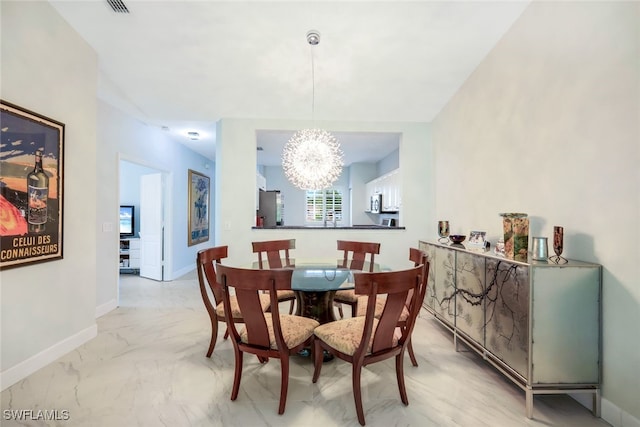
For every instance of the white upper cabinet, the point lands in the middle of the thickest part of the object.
(389, 185)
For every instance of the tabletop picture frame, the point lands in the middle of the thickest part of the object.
(31, 187)
(198, 223)
(477, 240)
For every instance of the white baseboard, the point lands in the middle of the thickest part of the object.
(181, 272)
(616, 416)
(42, 359)
(608, 411)
(108, 306)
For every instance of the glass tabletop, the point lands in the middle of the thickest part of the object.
(319, 278)
(323, 275)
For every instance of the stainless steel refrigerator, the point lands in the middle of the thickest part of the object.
(271, 208)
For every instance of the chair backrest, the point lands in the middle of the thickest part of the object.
(273, 250)
(396, 285)
(419, 257)
(246, 285)
(207, 273)
(355, 254)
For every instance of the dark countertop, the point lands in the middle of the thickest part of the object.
(303, 227)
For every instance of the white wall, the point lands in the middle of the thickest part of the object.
(121, 137)
(48, 309)
(548, 125)
(47, 68)
(389, 163)
(236, 183)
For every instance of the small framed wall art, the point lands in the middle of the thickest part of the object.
(199, 187)
(31, 187)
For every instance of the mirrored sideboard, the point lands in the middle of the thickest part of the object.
(537, 322)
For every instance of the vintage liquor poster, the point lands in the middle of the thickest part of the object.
(31, 187)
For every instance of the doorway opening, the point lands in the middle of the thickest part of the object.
(143, 251)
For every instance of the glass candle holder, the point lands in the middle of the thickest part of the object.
(443, 231)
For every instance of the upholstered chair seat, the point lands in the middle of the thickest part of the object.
(295, 330)
(363, 302)
(286, 295)
(345, 335)
(235, 309)
(346, 295)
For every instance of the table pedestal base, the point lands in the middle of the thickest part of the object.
(317, 305)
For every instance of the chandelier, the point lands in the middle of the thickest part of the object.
(312, 158)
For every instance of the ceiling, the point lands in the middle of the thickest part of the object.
(184, 64)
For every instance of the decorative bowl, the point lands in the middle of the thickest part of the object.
(457, 238)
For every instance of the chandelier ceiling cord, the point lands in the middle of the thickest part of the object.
(312, 158)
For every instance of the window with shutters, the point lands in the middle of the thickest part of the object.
(324, 204)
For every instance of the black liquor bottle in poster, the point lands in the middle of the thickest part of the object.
(37, 196)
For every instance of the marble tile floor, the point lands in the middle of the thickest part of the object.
(147, 367)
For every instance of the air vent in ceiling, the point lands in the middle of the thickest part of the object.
(118, 6)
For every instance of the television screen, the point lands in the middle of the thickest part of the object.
(127, 220)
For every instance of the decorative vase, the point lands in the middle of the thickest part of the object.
(540, 250)
(558, 245)
(515, 227)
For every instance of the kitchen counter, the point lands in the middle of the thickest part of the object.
(328, 227)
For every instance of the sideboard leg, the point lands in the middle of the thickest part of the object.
(597, 399)
(529, 402)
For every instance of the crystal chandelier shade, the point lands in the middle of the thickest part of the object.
(312, 159)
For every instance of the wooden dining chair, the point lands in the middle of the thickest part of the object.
(419, 258)
(277, 256)
(267, 335)
(365, 340)
(207, 260)
(354, 257)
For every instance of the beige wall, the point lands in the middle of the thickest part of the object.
(51, 306)
(548, 124)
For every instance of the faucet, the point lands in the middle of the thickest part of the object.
(333, 219)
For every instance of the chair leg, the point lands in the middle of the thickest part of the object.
(354, 309)
(214, 336)
(291, 307)
(400, 376)
(357, 392)
(237, 376)
(317, 360)
(412, 356)
(340, 311)
(226, 334)
(284, 383)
